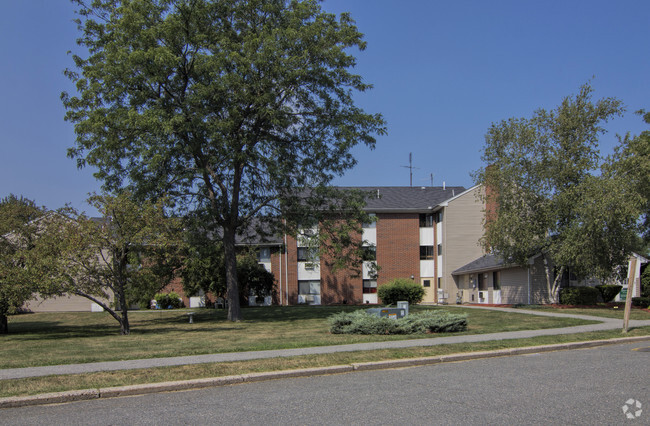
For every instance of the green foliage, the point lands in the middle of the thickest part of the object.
(25, 263)
(548, 195)
(643, 302)
(585, 296)
(169, 300)
(205, 270)
(360, 322)
(632, 162)
(253, 278)
(401, 289)
(609, 291)
(131, 253)
(236, 107)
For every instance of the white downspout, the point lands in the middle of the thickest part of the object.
(286, 267)
(528, 274)
(280, 261)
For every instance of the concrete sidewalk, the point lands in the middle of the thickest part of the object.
(603, 324)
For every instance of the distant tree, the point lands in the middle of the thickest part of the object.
(130, 254)
(245, 108)
(24, 266)
(552, 195)
(255, 280)
(204, 269)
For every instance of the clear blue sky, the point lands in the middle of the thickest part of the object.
(443, 71)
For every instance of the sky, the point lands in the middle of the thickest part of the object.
(442, 71)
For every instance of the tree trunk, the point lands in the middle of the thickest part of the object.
(125, 330)
(4, 325)
(121, 284)
(234, 310)
(552, 283)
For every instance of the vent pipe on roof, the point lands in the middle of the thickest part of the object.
(453, 192)
(377, 193)
(444, 186)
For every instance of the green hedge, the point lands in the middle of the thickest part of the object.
(609, 291)
(360, 322)
(401, 289)
(579, 296)
(643, 302)
(165, 300)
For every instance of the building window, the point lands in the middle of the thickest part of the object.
(426, 252)
(369, 254)
(439, 282)
(426, 283)
(496, 280)
(426, 220)
(307, 254)
(309, 288)
(482, 282)
(369, 286)
(264, 254)
(439, 249)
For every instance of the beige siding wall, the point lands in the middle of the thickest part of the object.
(462, 227)
(65, 303)
(538, 289)
(514, 285)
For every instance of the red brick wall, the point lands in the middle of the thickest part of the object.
(292, 272)
(342, 285)
(398, 246)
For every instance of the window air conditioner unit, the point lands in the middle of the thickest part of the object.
(309, 299)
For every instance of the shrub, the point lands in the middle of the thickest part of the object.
(609, 291)
(643, 302)
(401, 289)
(579, 296)
(165, 300)
(360, 322)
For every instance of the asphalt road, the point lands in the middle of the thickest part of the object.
(587, 386)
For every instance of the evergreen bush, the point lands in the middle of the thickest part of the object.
(401, 289)
(579, 296)
(360, 322)
(167, 300)
(609, 291)
(643, 302)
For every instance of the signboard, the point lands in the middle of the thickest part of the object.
(623, 294)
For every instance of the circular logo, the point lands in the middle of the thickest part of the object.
(632, 409)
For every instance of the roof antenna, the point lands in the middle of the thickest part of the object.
(410, 167)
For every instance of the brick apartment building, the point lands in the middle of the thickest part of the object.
(420, 233)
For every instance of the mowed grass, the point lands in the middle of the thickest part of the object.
(38, 385)
(605, 311)
(69, 338)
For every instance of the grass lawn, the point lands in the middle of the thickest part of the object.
(68, 338)
(37, 385)
(605, 312)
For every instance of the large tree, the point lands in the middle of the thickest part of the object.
(236, 106)
(548, 193)
(127, 255)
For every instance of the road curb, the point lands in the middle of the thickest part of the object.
(142, 389)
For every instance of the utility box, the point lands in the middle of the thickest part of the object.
(388, 312)
(403, 305)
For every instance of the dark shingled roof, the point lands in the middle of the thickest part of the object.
(488, 262)
(406, 198)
